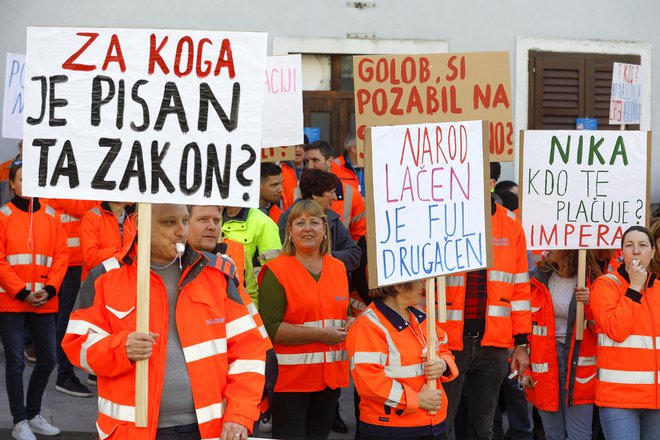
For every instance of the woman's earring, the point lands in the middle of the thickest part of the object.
(325, 236)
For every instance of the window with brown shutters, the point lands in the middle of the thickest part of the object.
(566, 86)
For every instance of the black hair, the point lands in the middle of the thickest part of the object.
(509, 199)
(315, 182)
(505, 185)
(270, 169)
(325, 148)
(641, 229)
(495, 171)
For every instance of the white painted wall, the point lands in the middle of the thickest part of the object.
(466, 25)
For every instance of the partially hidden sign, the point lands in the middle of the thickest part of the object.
(626, 94)
(414, 89)
(431, 200)
(144, 115)
(14, 97)
(283, 102)
(583, 189)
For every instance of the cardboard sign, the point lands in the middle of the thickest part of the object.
(144, 115)
(583, 189)
(626, 95)
(283, 102)
(14, 94)
(413, 89)
(431, 199)
(277, 154)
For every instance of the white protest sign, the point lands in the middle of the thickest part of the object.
(583, 189)
(626, 95)
(12, 109)
(283, 103)
(430, 213)
(144, 115)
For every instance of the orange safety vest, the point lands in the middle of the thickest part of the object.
(33, 255)
(100, 237)
(223, 349)
(351, 211)
(581, 371)
(387, 368)
(314, 366)
(289, 185)
(628, 325)
(70, 213)
(508, 304)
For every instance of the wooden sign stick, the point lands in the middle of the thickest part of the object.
(430, 326)
(144, 270)
(442, 299)
(581, 282)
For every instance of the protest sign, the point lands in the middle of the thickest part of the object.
(144, 115)
(283, 103)
(626, 94)
(275, 154)
(413, 89)
(431, 198)
(12, 110)
(583, 189)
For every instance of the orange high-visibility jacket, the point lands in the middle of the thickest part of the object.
(223, 349)
(314, 366)
(100, 238)
(628, 324)
(508, 304)
(274, 212)
(33, 255)
(346, 175)
(70, 213)
(289, 184)
(581, 371)
(387, 367)
(350, 207)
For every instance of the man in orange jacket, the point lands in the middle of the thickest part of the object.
(204, 350)
(270, 190)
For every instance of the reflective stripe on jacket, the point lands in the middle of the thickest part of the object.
(387, 368)
(314, 366)
(222, 347)
(70, 213)
(351, 210)
(33, 255)
(508, 304)
(628, 325)
(581, 365)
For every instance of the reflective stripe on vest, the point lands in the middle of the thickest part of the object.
(632, 341)
(521, 306)
(50, 211)
(205, 349)
(586, 361)
(239, 326)
(627, 377)
(348, 202)
(116, 411)
(336, 356)
(301, 358)
(507, 277)
(240, 366)
(34, 287)
(80, 327)
(539, 330)
(73, 242)
(6, 210)
(92, 338)
(455, 281)
(613, 278)
(66, 218)
(368, 357)
(394, 397)
(454, 315)
(25, 259)
(358, 217)
(253, 311)
(211, 412)
(408, 371)
(499, 311)
(324, 323)
(110, 264)
(539, 368)
(535, 309)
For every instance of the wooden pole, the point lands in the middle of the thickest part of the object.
(581, 282)
(442, 299)
(430, 326)
(144, 269)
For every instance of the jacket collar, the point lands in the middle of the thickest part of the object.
(240, 217)
(130, 209)
(395, 319)
(624, 274)
(24, 204)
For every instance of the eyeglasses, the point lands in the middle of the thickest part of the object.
(313, 223)
(17, 162)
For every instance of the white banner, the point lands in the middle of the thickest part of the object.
(583, 189)
(144, 115)
(430, 200)
(14, 94)
(626, 95)
(283, 103)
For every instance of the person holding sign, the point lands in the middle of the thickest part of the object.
(387, 347)
(562, 382)
(206, 355)
(627, 311)
(304, 306)
(33, 262)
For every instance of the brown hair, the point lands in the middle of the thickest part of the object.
(313, 209)
(654, 267)
(390, 291)
(593, 268)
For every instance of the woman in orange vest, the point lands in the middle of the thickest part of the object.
(303, 299)
(563, 369)
(33, 261)
(626, 305)
(387, 346)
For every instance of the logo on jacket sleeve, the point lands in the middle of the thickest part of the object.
(500, 241)
(215, 321)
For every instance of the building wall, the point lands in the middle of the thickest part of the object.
(459, 25)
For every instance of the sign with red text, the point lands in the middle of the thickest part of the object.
(276, 154)
(583, 189)
(12, 110)
(430, 214)
(626, 95)
(413, 89)
(283, 102)
(144, 115)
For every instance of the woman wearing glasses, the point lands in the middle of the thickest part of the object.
(303, 298)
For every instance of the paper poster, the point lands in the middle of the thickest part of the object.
(14, 97)
(626, 95)
(283, 102)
